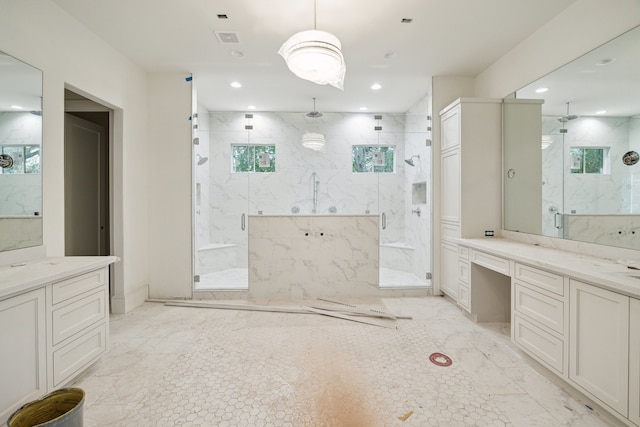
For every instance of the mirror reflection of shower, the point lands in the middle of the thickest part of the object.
(564, 119)
(410, 162)
(201, 160)
(315, 193)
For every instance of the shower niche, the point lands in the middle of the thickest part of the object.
(419, 193)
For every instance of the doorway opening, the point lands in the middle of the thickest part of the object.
(86, 176)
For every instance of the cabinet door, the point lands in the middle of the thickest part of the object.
(450, 129)
(634, 361)
(599, 343)
(22, 350)
(449, 269)
(450, 185)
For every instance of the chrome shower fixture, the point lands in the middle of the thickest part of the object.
(410, 162)
(201, 160)
(567, 117)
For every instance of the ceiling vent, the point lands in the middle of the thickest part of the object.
(227, 37)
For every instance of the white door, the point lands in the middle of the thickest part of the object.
(84, 173)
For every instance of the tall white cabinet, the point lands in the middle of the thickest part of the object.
(470, 177)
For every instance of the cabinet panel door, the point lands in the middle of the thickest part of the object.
(450, 184)
(22, 350)
(599, 343)
(450, 129)
(449, 269)
(634, 361)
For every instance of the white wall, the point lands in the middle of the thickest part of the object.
(169, 218)
(41, 34)
(580, 28)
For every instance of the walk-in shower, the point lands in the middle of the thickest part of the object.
(360, 173)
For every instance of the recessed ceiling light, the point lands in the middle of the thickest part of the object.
(17, 107)
(406, 20)
(251, 107)
(376, 86)
(236, 53)
(223, 16)
(605, 61)
(542, 90)
(364, 108)
(236, 85)
(601, 112)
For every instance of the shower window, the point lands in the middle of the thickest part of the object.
(589, 160)
(254, 158)
(26, 159)
(372, 158)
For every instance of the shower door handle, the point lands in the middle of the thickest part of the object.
(384, 221)
(242, 222)
(557, 220)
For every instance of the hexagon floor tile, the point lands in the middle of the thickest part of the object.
(184, 366)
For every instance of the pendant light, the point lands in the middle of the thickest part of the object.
(315, 56)
(313, 140)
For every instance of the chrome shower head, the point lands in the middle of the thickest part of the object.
(410, 162)
(201, 160)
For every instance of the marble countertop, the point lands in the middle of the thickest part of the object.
(23, 277)
(609, 274)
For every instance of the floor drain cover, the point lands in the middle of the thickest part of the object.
(440, 359)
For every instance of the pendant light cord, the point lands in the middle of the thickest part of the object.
(314, 17)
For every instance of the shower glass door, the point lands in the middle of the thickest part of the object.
(221, 204)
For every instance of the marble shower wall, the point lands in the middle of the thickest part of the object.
(20, 194)
(221, 197)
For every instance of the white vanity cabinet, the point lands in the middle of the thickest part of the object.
(22, 350)
(470, 190)
(54, 324)
(634, 360)
(599, 344)
(540, 316)
(576, 315)
(78, 327)
(464, 273)
(449, 269)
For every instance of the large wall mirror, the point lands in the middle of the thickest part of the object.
(571, 149)
(20, 154)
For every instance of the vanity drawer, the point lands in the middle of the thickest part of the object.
(76, 285)
(78, 315)
(543, 279)
(539, 344)
(463, 253)
(78, 354)
(491, 262)
(464, 296)
(463, 271)
(541, 308)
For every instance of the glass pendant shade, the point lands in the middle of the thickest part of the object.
(315, 56)
(313, 141)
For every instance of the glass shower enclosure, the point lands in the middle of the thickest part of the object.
(255, 164)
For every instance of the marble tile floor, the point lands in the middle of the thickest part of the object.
(237, 279)
(180, 366)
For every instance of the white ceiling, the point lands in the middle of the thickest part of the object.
(446, 37)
